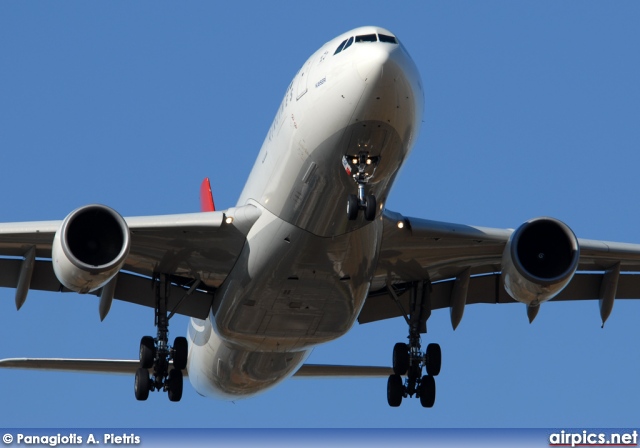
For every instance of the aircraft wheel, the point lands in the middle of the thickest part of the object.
(395, 390)
(370, 208)
(142, 384)
(352, 207)
(147, 352)
(180, 353)
(400, 358)
(434, 359)
(427, 391)
(175, 383)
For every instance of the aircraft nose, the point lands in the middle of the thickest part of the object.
(371, 60)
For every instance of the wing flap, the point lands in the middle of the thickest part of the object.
(488, 289)
(129, 288)
(42, 279)
(380, 305)
(141, 291)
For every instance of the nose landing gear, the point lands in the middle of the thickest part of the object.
(367, 203)
(408, 359)
(361, 168)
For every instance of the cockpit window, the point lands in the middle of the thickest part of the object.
(339, 49)
(387, 39)
(367, 38)
(349, 42)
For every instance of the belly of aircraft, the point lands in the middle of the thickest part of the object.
(291, 290)
(225, 371)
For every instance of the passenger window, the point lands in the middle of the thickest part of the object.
(367, 38)
(387, 39)
(339, 49)
(349, 42)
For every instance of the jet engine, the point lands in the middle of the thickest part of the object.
(539, 260)
(90, 247)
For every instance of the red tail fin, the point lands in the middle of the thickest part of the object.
(206, 197)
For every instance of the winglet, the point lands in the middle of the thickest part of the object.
(206, 197)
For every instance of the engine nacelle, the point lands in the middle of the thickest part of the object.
(539, 260)
(90, 247)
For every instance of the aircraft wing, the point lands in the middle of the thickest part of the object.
(129, 367)
(76, 365)
(185, 247)
(443, 253)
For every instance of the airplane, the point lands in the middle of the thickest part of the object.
(308, 250)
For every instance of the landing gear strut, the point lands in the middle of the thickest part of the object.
(408, 359)
(361, 168)
(155, 353)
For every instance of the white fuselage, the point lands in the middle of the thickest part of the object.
(305, 269)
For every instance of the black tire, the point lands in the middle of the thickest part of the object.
(352, 207)
(142, 384)
(370, 208)
(427, 391)
(147, 352)
(395, 390)
(434, 359)
(400, 358)
(180, 353)
(175, 383)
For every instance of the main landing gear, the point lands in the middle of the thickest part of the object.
(155, 354)
(408, 359)
(361, 168)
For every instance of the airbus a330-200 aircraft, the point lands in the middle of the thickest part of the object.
(308, 249)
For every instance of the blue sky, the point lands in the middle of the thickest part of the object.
(532, 108)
